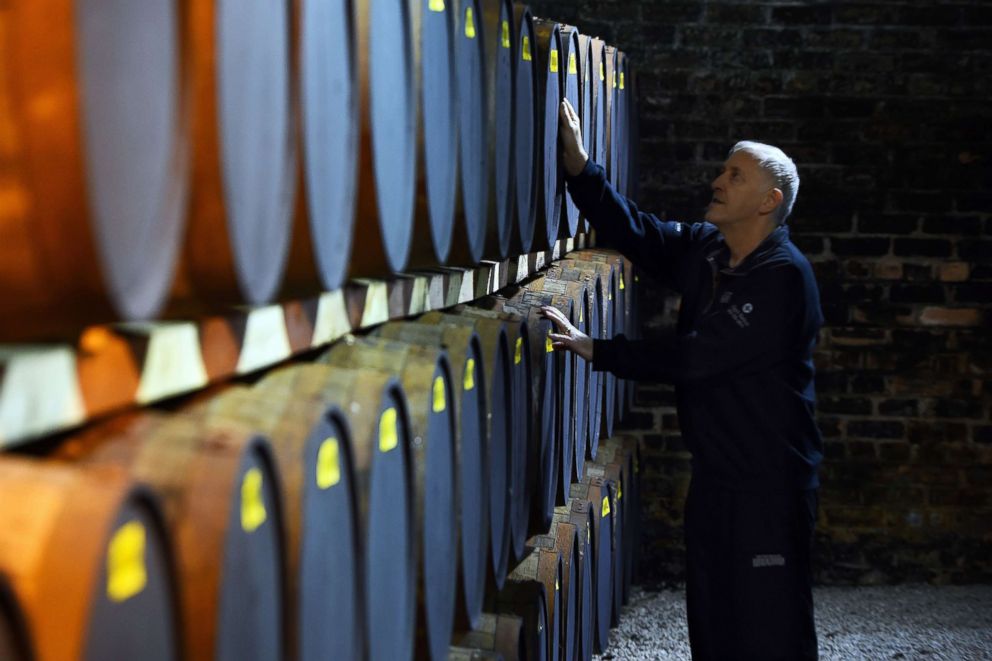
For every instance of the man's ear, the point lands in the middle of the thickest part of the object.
(773, 198)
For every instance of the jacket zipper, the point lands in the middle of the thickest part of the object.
(715, 280)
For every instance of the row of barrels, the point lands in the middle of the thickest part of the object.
(402, 492)
(163, 158)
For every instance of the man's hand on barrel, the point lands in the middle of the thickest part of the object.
(568, 336)
(573, 154)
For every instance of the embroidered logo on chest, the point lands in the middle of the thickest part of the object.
(739, 316)
(747, 308)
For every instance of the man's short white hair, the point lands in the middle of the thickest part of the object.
(779, 167)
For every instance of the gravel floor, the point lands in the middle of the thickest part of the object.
(897, 622)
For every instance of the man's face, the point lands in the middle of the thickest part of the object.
(739, 191)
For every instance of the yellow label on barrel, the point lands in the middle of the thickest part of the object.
(469, 23)
(548, 346)
(602, 72)
(621, 280)
(388, 437)
(620, 490)
(573, 68)
(554, 60)
(126, 573)
(469, 380)
(581, 313)
(588, 534)
(557, 585)
(525, 51)
(435, 5)
(614, 77)
(621, 80)
(505, 34)
(252, 504)
(440, 399)
(637, 279)
(328, 464)
(606, 506)
(518, 351)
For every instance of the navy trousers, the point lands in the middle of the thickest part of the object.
(748, 579)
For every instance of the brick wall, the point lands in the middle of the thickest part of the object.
(885, 108)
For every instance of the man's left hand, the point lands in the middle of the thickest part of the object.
(568, 336)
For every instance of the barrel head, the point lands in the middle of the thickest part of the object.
(440, 521)
(502, 42)
(390, 570)
(550, 85)
(329, 103)
(472, 111)
(133, 612)
(524, 129)
(134, 122)
(393, 127)
(250, 621)
(438, 99)
(331, 615)
(499, 462)
(570, 73)
(473, 482)
(257, 157)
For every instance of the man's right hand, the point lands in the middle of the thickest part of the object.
(573, 154)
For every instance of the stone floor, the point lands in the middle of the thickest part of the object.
(896, 622)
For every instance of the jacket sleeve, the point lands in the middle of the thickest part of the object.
(655, 246)
(753, 333)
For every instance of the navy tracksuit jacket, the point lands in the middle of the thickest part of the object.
(741, 361)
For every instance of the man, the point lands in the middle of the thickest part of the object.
(741, 361)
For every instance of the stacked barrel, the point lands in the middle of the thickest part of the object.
(165, 160)
(446, 486)
(442, 485)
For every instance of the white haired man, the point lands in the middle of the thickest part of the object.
(741, 361)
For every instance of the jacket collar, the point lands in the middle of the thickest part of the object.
(720, 256)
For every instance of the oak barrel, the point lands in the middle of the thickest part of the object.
(387, 164)
(467, 366)
(426, 378)
(499, 633)
(94, 102)
(437, 138)
(328, 98)
(495, 344)
(543, 393)
(549, 69)
(89, 563)
(523, 435)
(312, 446)
(381, 439)
(530, 593)
(217, 486)
(245, 160)
(472, 201)
(571, 73)
(527, 126)
(499, 32)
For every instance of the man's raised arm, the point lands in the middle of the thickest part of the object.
(651, 244)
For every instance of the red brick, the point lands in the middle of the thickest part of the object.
(953, 271)
(939, 316)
